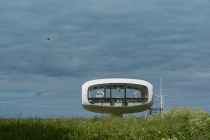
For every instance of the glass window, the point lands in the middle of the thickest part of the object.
(133, 91)
(107, 91)
(96, 91)
(118, 91)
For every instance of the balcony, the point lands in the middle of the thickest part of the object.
(117, 101)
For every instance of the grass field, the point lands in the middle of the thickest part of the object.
(177, 123)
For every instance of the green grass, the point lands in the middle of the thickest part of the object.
(176, 123)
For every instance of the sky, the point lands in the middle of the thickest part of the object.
(101, 39)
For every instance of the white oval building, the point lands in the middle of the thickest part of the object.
(117, 96)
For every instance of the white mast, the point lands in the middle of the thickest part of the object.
(161, 96)
(161, 100)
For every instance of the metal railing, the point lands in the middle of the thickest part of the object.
(117, 100)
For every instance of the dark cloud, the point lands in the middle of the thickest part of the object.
(38, 93)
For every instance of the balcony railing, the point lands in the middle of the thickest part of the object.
(118, 100)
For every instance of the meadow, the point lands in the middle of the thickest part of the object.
(177, 123)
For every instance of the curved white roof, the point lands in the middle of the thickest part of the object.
(116, 80)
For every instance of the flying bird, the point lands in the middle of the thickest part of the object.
(51, 40)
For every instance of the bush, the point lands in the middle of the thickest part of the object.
(175, 123)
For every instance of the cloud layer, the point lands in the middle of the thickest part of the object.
(102, 39)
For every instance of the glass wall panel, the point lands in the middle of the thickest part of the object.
(92, 93)
(118, 91)
(132, 91)
(115, 93)
(97, 91)
(107, 90)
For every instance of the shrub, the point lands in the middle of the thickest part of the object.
(174, 124)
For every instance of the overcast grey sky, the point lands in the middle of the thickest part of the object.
(102, 39)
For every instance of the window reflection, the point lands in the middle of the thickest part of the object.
(118, 93)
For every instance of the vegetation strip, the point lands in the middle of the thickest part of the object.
(175, 123)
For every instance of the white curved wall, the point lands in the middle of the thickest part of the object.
(116, 109)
